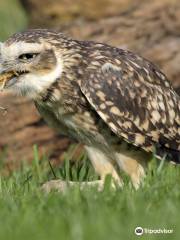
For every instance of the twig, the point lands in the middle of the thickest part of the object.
(53, 172)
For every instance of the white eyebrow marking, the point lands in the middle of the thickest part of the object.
(12, 51)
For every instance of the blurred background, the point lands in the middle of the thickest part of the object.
(149, 28)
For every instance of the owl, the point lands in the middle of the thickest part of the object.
(118, 104)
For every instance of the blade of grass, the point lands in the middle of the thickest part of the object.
(36, 163)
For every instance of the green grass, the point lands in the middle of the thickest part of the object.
(27, 213)
(12, 18)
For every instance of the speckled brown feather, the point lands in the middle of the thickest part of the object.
(134, 98)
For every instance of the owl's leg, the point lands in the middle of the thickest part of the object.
(134, 164)
(103, 165)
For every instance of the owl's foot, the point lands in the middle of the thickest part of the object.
(62, 186)
(134, 165)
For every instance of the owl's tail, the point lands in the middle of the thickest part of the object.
(170, 154)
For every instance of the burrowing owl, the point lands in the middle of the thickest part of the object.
(118, 104)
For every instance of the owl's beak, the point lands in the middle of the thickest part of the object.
(5, 75)
(4, 78)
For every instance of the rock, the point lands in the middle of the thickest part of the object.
(50, 13)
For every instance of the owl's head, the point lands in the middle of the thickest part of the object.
(29, 62)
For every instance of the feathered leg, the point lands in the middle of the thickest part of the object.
(102, 165)
(134, 164)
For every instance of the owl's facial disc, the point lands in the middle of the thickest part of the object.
(28, 69)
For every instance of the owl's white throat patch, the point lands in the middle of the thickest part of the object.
(32, 85)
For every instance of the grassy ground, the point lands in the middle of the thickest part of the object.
(27, 213)
(12, 18)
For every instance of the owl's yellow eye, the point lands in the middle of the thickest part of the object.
(28, 56)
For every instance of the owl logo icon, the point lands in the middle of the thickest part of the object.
(139, 231)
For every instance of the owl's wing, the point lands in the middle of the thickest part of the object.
(134, 106)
